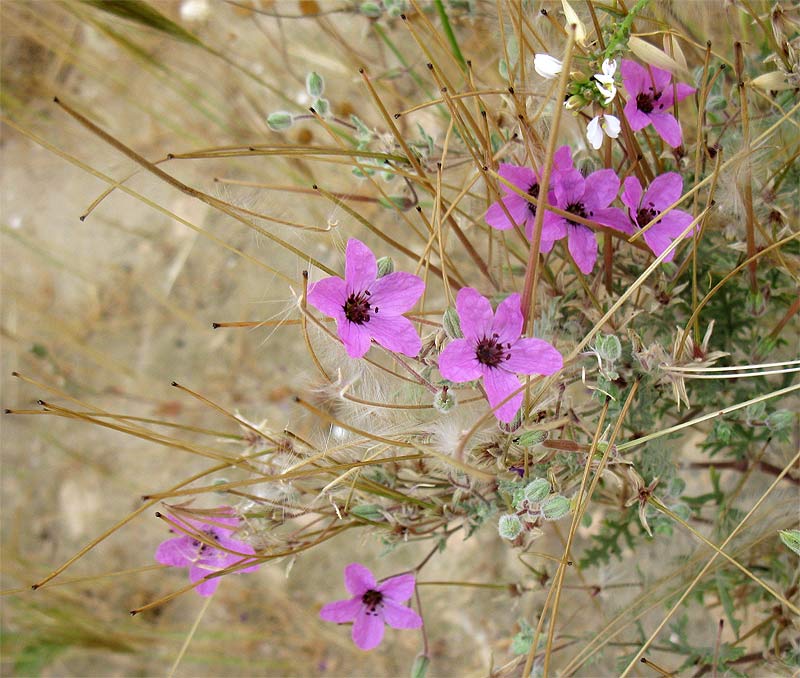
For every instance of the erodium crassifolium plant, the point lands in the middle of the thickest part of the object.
(553, 313)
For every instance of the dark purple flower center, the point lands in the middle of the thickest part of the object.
(491, 352)
(578, 209)
(203, 548)
(533, 191)
(647, 101)
(371, 600)
(357, 308)
(645, 215)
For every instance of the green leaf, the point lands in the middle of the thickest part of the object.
(146, 15)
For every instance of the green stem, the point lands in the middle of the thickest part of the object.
(451, 37)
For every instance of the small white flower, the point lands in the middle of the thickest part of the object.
(608, 124)
(605, 81)
(546, 66)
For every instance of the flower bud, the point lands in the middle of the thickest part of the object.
(555, 508)
(452, 324)
(370, 9)
(385, 266)
(537, 490)
(531, 438)
(279, 120)
(444, 401)
(509, 526)
(322, 106)
(315, 85)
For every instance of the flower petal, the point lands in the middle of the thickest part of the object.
(458, 362)
(658, 240)
(522, 177)
(533, 356)
(399, 588)
(636, 118)
(583, 247)
(632, 193)
(554, 228)
(358, 579)
(328, 295)
(396, 293)
(395, 333)
(361, 269)
(594, 134)
(562, 159)
(684, 91)
(341, 611)
(508, 320)
(634, 77)
(668, 128)
(367, 630)
(569, 187)
(399, 616)
(664, 190)
(601, 188)
(178, 552)
(355, 337)
(475, 313)
(615, 218)
(208, 587)
(516, 206)
(499, 384)
(660, 79)
(611, 125)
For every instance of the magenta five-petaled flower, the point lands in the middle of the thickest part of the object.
(664, 190)
(589, 198)
(367, 307)
(372, 605)
(216, 551)
(651, 96)
(492, 349)
(527, 180)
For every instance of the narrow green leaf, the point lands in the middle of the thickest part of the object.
(146, 15)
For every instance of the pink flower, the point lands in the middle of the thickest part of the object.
(201, 557)
(588, 198)
(367, 307)
(527, 180)
(373, 605)
(492, 349)
(662, 192)
(650, 98)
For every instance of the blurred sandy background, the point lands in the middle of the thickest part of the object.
(112, 309)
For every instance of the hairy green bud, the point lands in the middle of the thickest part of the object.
(531, 438)
(280, 120)
(509, 526)
(444, 401)
(555, 507)
(537, 490)
(452, 324)
(385, 266)
(315, 85)
(371, 9)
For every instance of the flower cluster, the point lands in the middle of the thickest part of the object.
(588, 199)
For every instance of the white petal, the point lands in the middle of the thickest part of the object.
(611, 126)
(546, 66)
(594, 134)
(609, 68)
